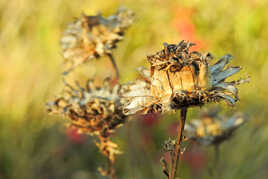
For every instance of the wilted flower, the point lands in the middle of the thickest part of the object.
(90, 37)
(180, 78)
(169, 145)
(94, 110)
(213, 128)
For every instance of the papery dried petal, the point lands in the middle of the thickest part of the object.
(224, 74)
(218, 67)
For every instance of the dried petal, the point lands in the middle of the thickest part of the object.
(224, 74)
(227, 86)
(218, 67)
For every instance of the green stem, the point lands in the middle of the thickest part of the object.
(114, 64)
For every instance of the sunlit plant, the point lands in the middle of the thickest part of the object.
(178, 79)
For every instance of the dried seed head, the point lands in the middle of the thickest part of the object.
(212, 128)
(94, 110)
(90, 37)
(181, 78)
(169, 145)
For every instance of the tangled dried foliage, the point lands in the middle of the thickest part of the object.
(94, 110)
(90, 37)
(212, 128)
(180, 78)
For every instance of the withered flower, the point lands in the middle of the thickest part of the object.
(94, 110)
(212, 128)
(90, 37)
(180, 78)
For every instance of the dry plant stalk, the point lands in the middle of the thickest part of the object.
(177, 152)
(179, 78)
(94, 110)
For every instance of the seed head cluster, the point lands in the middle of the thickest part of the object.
(178, 78)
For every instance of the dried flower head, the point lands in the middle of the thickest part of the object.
(90, 37)
(94, 110)
(180, 78)
(212, 128)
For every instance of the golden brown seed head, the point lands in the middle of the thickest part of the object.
(181, 78)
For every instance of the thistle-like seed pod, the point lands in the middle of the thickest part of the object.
(212, 128)
(180, 78)
(90, 37)
(94, 110)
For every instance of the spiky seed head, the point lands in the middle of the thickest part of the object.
(94, 110)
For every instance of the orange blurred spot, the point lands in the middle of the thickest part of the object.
(73, 135)
(186, 28)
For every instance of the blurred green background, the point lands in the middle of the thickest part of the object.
(35, 145)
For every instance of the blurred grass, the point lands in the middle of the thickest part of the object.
(35, 145)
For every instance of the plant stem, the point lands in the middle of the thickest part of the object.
(217, 154)
(213, 170)
(217, 158)
(177, 152)
(114, 64)
(111, 170)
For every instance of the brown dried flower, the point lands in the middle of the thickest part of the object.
(180, 78)
(94, 110)
(90, 37)
(212, 128)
